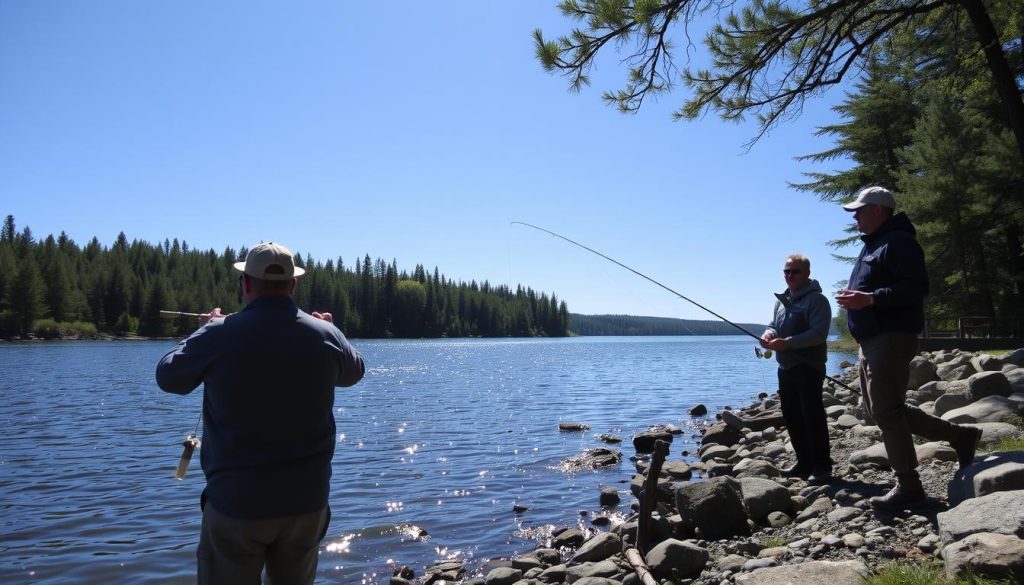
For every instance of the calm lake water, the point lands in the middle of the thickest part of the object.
(443, 435)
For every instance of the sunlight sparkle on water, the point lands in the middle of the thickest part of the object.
(342, 546)
(394, 506)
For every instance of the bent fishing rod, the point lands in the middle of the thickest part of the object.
(678, 294)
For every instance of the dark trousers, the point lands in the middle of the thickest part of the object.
(802, 407)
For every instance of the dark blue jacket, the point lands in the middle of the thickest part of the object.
(269, 373)
(891, 267)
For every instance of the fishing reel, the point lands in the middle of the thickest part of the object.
(190, 444)
(766, 354)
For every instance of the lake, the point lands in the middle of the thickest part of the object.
(444, 436)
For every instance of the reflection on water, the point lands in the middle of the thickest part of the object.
(448, 449)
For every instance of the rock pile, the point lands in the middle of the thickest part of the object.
(745, 523)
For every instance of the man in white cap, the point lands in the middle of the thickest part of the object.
(269, 373)
(884, 302)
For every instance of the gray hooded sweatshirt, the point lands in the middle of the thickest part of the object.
(803, 317)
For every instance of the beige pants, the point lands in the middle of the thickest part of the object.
(236, 551)
(884, 374)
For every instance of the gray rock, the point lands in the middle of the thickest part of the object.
(928, 543)
(733, 563)
(847, 421)
(935, 450)
(988, 409)
(843, 514)
(756, 468)
(715, 451)
(598, 581)
(817, 508)
(762, 496)
(809, 573)
(503, 576)
(598, 548)
(868, 431)
(997, 556)
(854, 540)
(644, 442)
(954, 370)
(922, 371)
(672, 558)
(699, 410)
(677, 470)
(720, 434)
(950, 400)
(992, 433)
(987, 363)
(1015, 357)
(930, 391)
(570, 538)
(1001, 512)
(760, 563)
(606, 568)
(554, 574)
(713, 508)
(987, 383)
(872, 457)
(609, 496)
(779, 519)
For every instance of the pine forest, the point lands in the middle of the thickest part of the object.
(54, 288)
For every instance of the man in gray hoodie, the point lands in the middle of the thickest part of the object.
(797, 335)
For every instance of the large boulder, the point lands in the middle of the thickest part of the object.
(764, 496)
(644, 441)
(988, 409)
(996, 556)
(1015, 357)
(951, 399)
(956, 369)
(922, 371)
(676, 559)
(809, 573)
(721, 434)
(1001, 512)
(986, 363)
(998, 472)
(712, 509)
(989, 383)
(598, 548)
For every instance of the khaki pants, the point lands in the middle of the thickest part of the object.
(884, 374)
(236, 550)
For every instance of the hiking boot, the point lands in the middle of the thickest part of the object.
(900, 498)
(732, 420)
(966, 445)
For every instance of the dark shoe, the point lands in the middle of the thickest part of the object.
(796, 471)
(820, 477)
(900, 498)
(967, 445)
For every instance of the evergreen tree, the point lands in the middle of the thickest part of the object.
(27, 297)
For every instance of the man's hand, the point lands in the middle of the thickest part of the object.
(204, 318)
(854, 299)
(324, 316)
(766, 339)
(775, 344)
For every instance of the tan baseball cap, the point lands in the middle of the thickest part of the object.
(872, 196)
(269, 261)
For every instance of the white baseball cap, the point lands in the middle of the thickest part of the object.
(872, 196)
(269, 261)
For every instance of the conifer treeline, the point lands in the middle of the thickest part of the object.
(53, 288)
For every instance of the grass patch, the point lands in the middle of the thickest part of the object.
(845, 345)
(1008, 444)
(774, 542)
(925, 574)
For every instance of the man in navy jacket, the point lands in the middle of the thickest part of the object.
(269, 373)
(884, 304)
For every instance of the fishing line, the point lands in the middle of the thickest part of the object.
(678, 294)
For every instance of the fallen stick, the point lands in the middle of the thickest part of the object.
(640, 567)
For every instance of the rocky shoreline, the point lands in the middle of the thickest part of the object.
(745, 523)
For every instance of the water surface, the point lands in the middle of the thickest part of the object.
(442, 435)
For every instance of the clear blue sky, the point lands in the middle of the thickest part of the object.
(411, 131)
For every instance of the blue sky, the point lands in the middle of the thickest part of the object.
(413, 131)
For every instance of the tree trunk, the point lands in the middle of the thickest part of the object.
(1003, 77)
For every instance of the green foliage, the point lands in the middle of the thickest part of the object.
(50, 329)
(1008, 444)
(766, 57)
(122, 289)
(925, 574)
(631, 325)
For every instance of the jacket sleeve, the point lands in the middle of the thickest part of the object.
(904, 259)
(181, 370)
(773, 325)
(819, 319)
(350, 363)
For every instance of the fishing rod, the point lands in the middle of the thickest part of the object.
(179, 314)
(678, 294)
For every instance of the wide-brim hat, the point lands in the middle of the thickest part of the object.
(270, 261)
